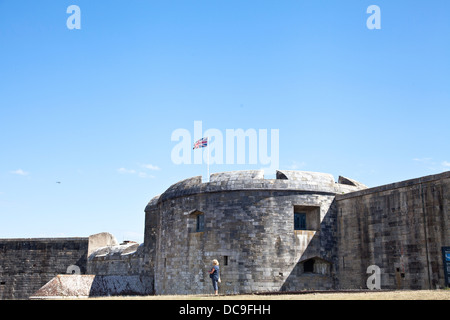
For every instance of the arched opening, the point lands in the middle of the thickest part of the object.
(316, 266)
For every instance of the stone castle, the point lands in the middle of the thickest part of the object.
(300, 231)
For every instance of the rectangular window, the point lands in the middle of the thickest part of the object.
(200, 223)
(299, 221)
(306, 218)
(225, 260)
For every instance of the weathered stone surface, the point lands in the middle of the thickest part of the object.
(401, 228)
(351, 182)
(306, 176)
(101, 240)
(69, 286)
(123, 259)
(237, 175)
(65, 286)
(27, 264)
(248, 225)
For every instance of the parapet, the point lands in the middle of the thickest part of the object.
(121, 259)
(99, 240)
(286, 180)
(115, 250)
(396, 185)
(306, 176)
(237, 175)
(351, 182)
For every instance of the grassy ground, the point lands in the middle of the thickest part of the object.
(367, 295)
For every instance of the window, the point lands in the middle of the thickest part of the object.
(195, 221)
(299, 221)
(308, 266)
(225, 260)
(306, 218)
(316, 266)
(200, 223)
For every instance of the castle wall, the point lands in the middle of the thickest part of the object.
(27, 264)
(401, 228)
(116, 260)
(299, 231)
(120, 269)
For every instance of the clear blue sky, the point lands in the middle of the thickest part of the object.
(94, 109)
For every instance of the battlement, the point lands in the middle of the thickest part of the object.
(299, 181)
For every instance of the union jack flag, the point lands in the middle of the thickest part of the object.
(203, 142)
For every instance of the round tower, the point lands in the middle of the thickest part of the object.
(267, 234)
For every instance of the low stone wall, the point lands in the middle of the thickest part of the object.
(122, 262)
(27, 264)
(116, 260)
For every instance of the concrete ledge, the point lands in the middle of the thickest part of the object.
(68, 286)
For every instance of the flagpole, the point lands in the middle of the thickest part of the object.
(208, 155)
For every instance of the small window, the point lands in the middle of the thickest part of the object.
(200, 223)
(308, 265)
(299, 221)
(225, 260)
(195, 221)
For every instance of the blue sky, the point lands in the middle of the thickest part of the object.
(94, 109)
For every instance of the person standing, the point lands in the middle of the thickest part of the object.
(215, 276)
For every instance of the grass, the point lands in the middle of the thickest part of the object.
(366, 295)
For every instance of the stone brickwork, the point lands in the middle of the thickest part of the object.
(27, 264)
(116, 260)
(122, 268)
(249, 228)
(299, 231)
(401, 228)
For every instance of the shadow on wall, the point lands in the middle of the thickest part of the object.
(311, 274)
(314, 269)
(121, 286)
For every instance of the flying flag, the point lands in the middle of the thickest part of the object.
(202, 143)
